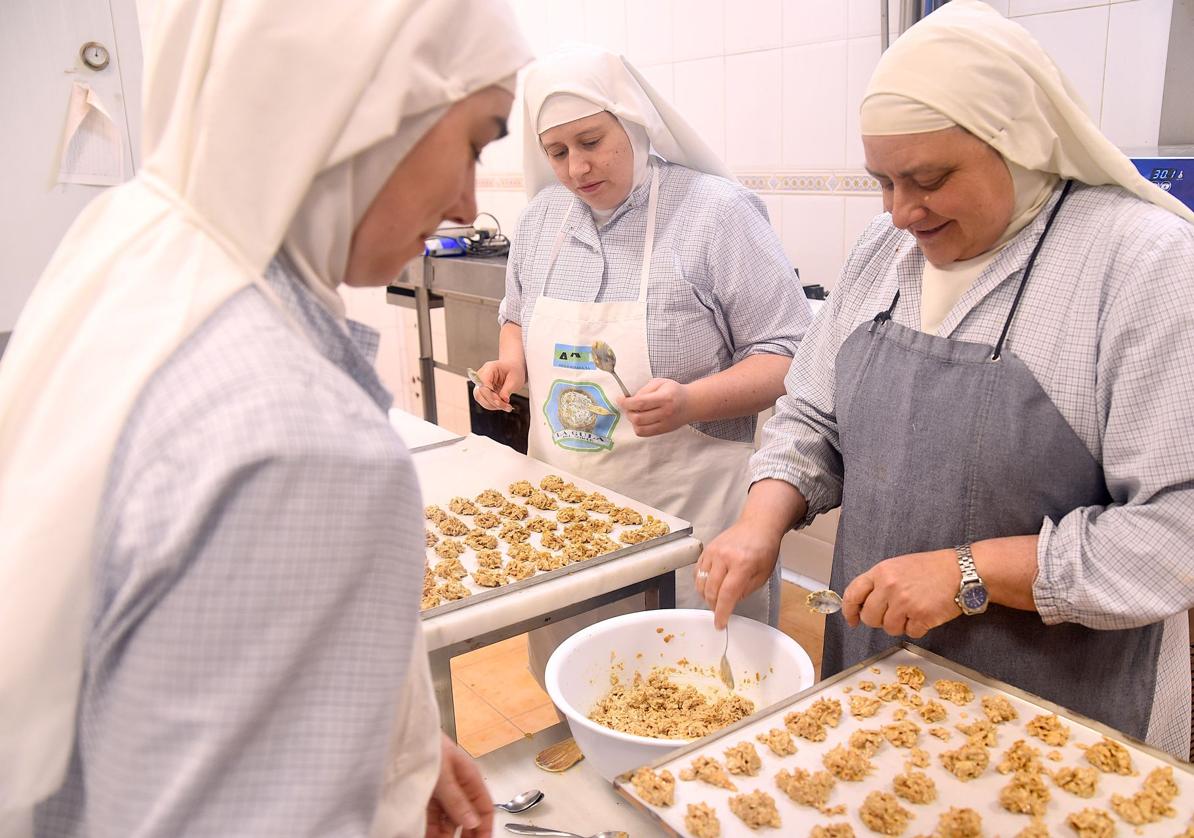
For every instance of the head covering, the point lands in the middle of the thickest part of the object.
(606, 82)
(251, 110)
(970, 66)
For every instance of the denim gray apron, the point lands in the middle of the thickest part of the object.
(945, 442)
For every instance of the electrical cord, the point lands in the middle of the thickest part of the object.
(485, 243)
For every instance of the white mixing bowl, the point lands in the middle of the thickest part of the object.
(578, 673)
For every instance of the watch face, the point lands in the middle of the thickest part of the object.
(974, 597)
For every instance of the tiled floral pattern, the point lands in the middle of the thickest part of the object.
(766, 183)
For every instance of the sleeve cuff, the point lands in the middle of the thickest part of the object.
(1053, 576)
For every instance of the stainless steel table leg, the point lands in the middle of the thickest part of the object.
(441, 680)
(426, 353)
(662, 593)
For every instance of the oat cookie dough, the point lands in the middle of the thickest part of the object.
(779, 741)
(1077, 780)
(452, 527)
(911, 676)
(864, 706)
(918, 758)
(892, 692)
(599, 503)
(959, 823)
(450, 568)
(659, 707)
(430, 600)
(867, 741)
(513, 534)
(520, 569)
(1026, 794)
(902, 734)
(1020, 757)
(882, 812)
(626, 515)
(481, 540)
(756, 809)
(656, 789)
(541, 525)
(521, 552)
(941, 733)
(521, 488)
(571, 514)
(486, 520)
(832, 830)
(551, 541)
(491, 559)
(998, 709)
(932, 711)
(847, 764)
(953, 691)
(543, 501)
(1110, 757)
(980, 732)
(1036, 829)
(708, 770)
(1151, 803)
(701, 821)
(808, 789)
(570, 493)
(1091, 823)
(828, 711)
(452, 590)
(463, 506)
(805, 726)
(433, 513)
(551, 483)
(966, 762)
(491, 499)
(743, 759)
(488, 577)
(915, 787)
(513, 511)
(1049, 730)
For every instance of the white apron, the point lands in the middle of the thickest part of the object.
(685, 473)
(413, 765)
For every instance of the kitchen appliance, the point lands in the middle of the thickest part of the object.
(1169, 167)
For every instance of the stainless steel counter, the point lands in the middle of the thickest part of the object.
(469, 289)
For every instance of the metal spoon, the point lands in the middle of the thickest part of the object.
(823, 602)
(727, 674)
(521, 802)
(604, 359)
(524, 829)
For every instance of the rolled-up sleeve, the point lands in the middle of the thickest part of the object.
(757, 292)
(1130, 563)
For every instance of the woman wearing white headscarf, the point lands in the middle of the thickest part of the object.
(669, 262)
(210, 538)
(999, 399)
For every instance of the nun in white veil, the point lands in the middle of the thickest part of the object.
(284, 146)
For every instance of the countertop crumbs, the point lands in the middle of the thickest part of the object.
(701, 821)
(656, 789)
(882, 812)
(755, 809)
(708, 770)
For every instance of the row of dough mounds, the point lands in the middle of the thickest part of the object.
(890, 804)
(571, 525)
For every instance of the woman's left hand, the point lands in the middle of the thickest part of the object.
(660, 406)
(460, 797)
(905, 595)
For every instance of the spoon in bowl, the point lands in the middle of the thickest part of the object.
(727, 673)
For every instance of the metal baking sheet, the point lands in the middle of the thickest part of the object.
(419, 434)
(477, 463)
(980, 794)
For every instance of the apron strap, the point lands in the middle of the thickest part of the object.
(1007, 324)
(555, 250)
(649, 239)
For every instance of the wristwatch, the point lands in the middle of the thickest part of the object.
(972, 595)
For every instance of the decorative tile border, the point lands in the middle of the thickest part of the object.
(768, 183)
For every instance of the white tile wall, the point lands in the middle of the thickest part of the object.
(862, 57)
(695, 29)
(753, 110)
(604, 23)
(1036, 7)
(813, 21)
(649, 32)
(813, 227)
(814, 121)
(1077, 42)
(1137, 45)
(750, 25)
(701, 97)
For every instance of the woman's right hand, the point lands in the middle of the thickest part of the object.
(736, 563)
(499, 379)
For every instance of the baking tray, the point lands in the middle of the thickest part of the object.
(418, 434)
(980, 794)
(477, 463)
